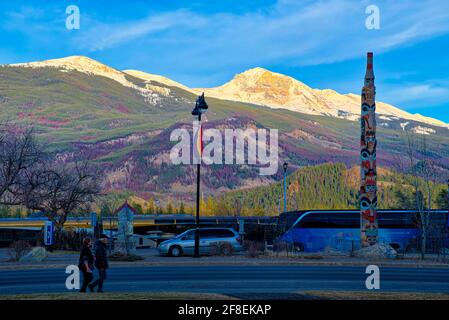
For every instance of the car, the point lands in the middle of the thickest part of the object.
(184, 244)
(160, 236)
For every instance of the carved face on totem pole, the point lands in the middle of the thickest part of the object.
(368, 161)
(368, 208)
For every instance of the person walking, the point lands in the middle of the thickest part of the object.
(86, 263)
(101, 262)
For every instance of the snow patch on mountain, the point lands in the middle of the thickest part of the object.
(404, 125)
(149, 78)
(423, 130)
(93, 67)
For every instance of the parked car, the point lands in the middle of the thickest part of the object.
(184, 244)
(144, 241)
(160, 236)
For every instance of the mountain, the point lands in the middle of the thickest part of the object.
(256, 86)
(122, 120)
(94, 68)
(80, 99)
(266, 88)
(84, 65)
(275, 90)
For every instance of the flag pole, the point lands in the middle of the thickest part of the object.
(200, 107)
(198, 182)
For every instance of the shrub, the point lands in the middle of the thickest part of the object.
(254, 248)
(119, 256)
(282, 246)
(18, 249)
(69, 240)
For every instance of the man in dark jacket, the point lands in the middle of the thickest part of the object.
(101, 262)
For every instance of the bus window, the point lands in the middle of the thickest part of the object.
(336, 220)
(351, 220)
(313, 220)
(345, 220)
(397, 220)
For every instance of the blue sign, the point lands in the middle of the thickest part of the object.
(93, 220)
(241, 226)
(48, 233)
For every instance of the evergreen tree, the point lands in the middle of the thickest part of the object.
(138, 208)
(327, 186)
(150, 209)
(181, 209)
(169, 209)
(404, 200)
(105, 211)
(442, 201)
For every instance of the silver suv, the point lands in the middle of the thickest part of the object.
(184, 244)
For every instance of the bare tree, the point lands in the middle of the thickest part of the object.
(31, 177)
(428, 172)
(19, 152)
(58, 189)
(423, 175)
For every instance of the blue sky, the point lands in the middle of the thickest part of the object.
(205, 43)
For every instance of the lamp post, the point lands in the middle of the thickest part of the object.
(285, 166)
(200, 108)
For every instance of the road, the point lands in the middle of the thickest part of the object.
(233, 279)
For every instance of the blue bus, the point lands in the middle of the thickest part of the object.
(314, 231)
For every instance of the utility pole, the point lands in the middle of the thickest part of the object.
(368, 169)
(200, 108)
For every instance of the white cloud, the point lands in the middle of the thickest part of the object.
(304, 33)
(417, 95)
(101, 36)
(196, 45)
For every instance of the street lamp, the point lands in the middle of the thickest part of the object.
(285, 166)
(200, 108)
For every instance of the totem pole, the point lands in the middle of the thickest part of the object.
(368, 172)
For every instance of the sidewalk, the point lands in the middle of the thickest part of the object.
(61, 259)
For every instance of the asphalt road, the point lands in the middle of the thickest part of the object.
(233, 279)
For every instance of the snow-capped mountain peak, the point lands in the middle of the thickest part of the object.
(263, 87)
(77, 63)
(92, 67)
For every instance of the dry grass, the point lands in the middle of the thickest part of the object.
(293, 255)
(118, 296)
(306, 295)
(62, 252)
(365, 295)
(118, 256)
